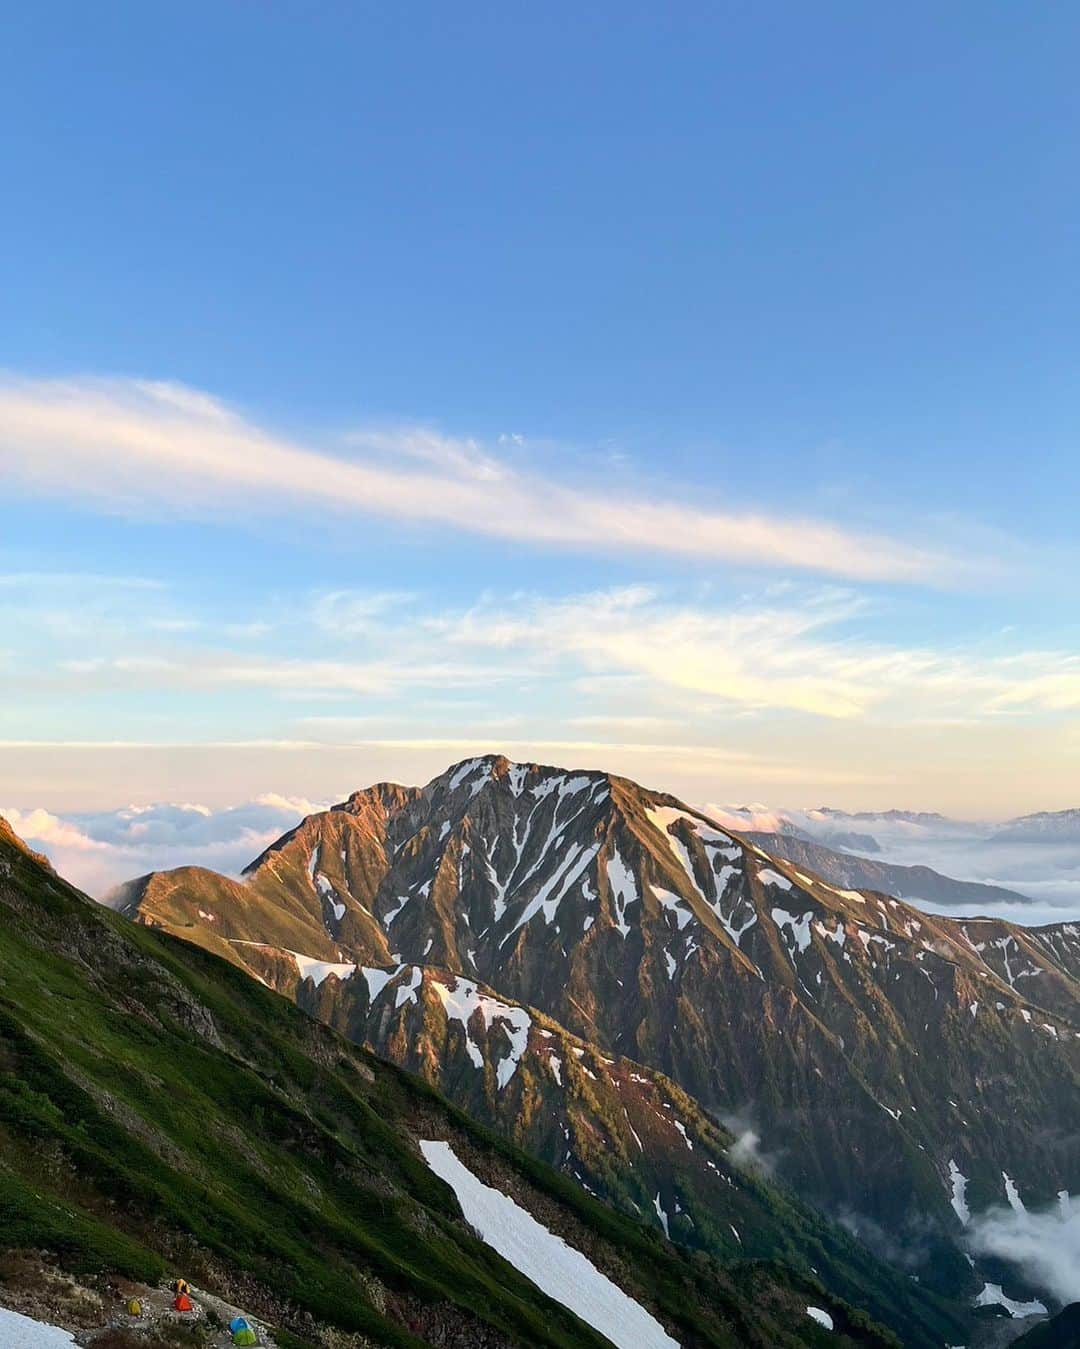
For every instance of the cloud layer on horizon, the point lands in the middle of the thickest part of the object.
(98, 850)
(1044, 868)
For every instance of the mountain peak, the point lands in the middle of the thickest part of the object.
(1044, 825)
(651, 932)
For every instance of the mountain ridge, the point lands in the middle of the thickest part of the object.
(902, 881)
(845, 1021)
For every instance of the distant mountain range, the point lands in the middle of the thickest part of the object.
(889, 850)
(906, 816)
(1048, 826)
(606, 975)
(914, 883)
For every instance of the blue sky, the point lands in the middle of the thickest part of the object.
(688, 390)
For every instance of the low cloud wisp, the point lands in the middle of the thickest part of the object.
(746, 1152)
(1044, 1245)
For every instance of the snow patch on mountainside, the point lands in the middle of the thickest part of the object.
(797, 925)
(465, 771)
(464, 1000)
(550, 895)
(1012, 1194)
(399, 903)
(20, 1332)
(406, 992)
(992, 1295)
(556, 1268)
(623, 889)
(959, 1191)
(660, 818)
(320, 970)
(674, 904)
(376, 980)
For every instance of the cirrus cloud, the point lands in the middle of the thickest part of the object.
(137, 445)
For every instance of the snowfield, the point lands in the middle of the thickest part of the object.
(558, 1270)
(19, 1332)
(821, 1317)
(461, 1003)
(959, 1184)
(992, 1294)
(318, 971)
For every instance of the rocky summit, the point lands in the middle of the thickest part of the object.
(654, 1003)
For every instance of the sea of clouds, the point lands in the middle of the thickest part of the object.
(98, 850)
(1043, 866)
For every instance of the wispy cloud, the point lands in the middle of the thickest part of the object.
(220, 671)
(1056, 689)
(352, 613)
(799, 657)
(632, 660)
(137, 446)
(765, 657)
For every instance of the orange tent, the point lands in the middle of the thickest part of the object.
(182, 1303)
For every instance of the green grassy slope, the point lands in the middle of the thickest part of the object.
(160, 1110)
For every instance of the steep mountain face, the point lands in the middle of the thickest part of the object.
(914, 883)
(161, 1112)
(893, 1064)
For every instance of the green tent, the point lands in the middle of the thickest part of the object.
(246, 1336)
